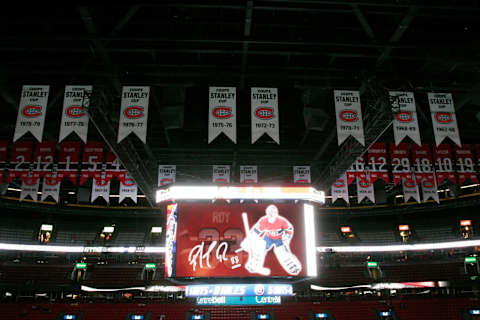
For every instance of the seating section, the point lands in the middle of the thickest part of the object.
(406, 309)
(16, 235)
(74, 237)
(130, 239)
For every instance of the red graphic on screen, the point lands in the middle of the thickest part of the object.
(211, 240)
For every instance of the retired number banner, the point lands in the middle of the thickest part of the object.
(443, 117)
(405, 122)
(377, 162)
(349, 115)
(222, 113)
(357, 169)
(31, 112)
(43, 158)
(443, 163)
(92, 161)
(465, 164)
(134, 113)
(20, 159)
(424, 175)
(301, 175)
(74, 115)
(100, 188)
(248, 174)
(51, 184)
(68, 159)
(365, 188)
(265, 113)
(113, 168)
(3, 158)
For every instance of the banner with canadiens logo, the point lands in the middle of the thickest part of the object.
(265, 113)
(92, 160)
(134, 113)
(410, 189)
(443, 117)
(465, 164)
(29, 187)
(340, 189)
(222, 112)
(221, 174)
(128, 189)
(51, 184)
(74, 115)
(68, 160)
(444, 170)
(43, 158)
(248, 174)
(3, 158)
(349, 115)
(166, 174)
(301, 175)
(20, 159)
(405, 122)
(423, 169)
(31, 112)
(377, 162)
(365, 188)
(100, 188)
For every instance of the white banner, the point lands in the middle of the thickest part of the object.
(51, 185)
(128, 188)
(444, 119)
(248, 174)
(222, 112)
(221, 174)
(166, 174)
(429, 190)
(30, 189)
(340, 189)
(410, 190)
(349, 115)
(100, 188)
(265, 113)
(31, 112)
(301, 175)
(134, 113)
(74, 115)
(405, 122)
(365, 188)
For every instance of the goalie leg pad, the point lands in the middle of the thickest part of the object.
(288, 260)
(256, 257)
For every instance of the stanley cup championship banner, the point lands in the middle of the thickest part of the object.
(424, 175)
(221, 174)
(134, 113)
(443, 117)
(74, 115)
(377, 162)
(465, 164)
(222, 113)
(31, 112)
(248, 174)
(340, 189)
(349, 115)
(405, 123)
(443, 164)
(265, 113)
(166, 174)
(237, 240)
(301, 175)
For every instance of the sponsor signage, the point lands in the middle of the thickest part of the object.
(238, 240)
(265, 113)
(238, 290)
(238, 301)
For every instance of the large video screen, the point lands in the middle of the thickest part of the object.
(235, 240)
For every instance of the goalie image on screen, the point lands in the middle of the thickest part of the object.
(270, 231)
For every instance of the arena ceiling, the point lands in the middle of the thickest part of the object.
(305, 48)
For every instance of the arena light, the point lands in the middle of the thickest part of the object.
(403, 247)
(465, 223)
(346, 229)
(156, 230)
(46, 227)
(229, 193)
(310, 240)
(108, 229)
(403, 227)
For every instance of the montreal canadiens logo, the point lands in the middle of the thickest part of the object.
(222, 112)
(133, 112)
(223, 180)
(340, 183)
(264, 113)
(259, 289)
(349, 115)
(428, 184)
(165, 181)
(248, 181)
(405, 116)
(443, 117)
(364, 183)
(75, 112)
(32, 111)
(302, 181)
(409, 184)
